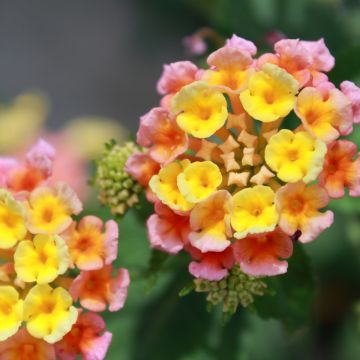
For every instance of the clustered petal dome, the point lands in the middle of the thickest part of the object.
(44, 255)
(233, 187)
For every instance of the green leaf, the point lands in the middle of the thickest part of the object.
(293, 297)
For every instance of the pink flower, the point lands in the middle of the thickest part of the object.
(23, 346)
(167, 231)
(87, 338)
(341, 169)
(211, 266)
(175, 76)
(298, 206)
(141, 167)
(322, 60)
(41, 156)
(352, 92)
(292, 56)
(194, 44)
(90, 248)
(97, 289)
(6, 165)
(160, 132)
(260, 254)
(242, 44)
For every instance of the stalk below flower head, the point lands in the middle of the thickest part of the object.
(231, 185)
(45, 256)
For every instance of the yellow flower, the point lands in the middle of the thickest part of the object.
(270, 95)
(50, 209)
(11, 312)
(12, 220)
(253, 211)
(42, 259)
(165, 186)
(49, 313)
(199, 180)
(295, 156)
(202, 109)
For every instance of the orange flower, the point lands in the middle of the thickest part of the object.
(90, 248)
(341, 169)
(25, 347)
(99, 288)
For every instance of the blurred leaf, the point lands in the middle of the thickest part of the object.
(293, 299)
(347, 65)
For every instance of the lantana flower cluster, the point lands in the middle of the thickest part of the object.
(56, 273)
(241, 159)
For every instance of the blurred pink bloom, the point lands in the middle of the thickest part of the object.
(69, 166)
(352, 92)
(41, 156)
(211, 266)
(87, 339)
(97, 289)
(159, 131)
(194, 44)
(167, 231)
(273, 36)
(260, 254)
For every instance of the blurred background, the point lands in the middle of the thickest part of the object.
(98, 62)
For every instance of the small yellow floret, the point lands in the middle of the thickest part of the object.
(199, 180)
(49, 313)
(164, 185)
(270, 95)
(11, 312)
(253, 211)
(50, 209)
(295, 156)
(202, 109)
(12, 220)
(42, 259)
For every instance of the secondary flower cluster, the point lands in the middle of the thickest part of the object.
(230, 183)
(50, 262)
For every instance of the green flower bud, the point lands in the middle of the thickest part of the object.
(117, 189)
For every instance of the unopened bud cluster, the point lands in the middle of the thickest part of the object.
(117, 189)
(236, 289)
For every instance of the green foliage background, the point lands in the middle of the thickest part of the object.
(312, 314)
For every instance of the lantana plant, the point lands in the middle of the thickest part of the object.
(56, 271)
(241, 159)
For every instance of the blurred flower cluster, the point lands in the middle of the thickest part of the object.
(241, 159)
(56, 272)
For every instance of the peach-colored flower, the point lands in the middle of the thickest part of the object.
(352, 92)
(141, 167)
(90, 247)
(211, 266)
(210, 223)
(87, 338)
(341, 169)
(325, 117)
(167, 231)
(160, 132)
(260, 254)
(23, 346)
(292, 56)
(98, 288)
(229, 67)
(298, 206)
